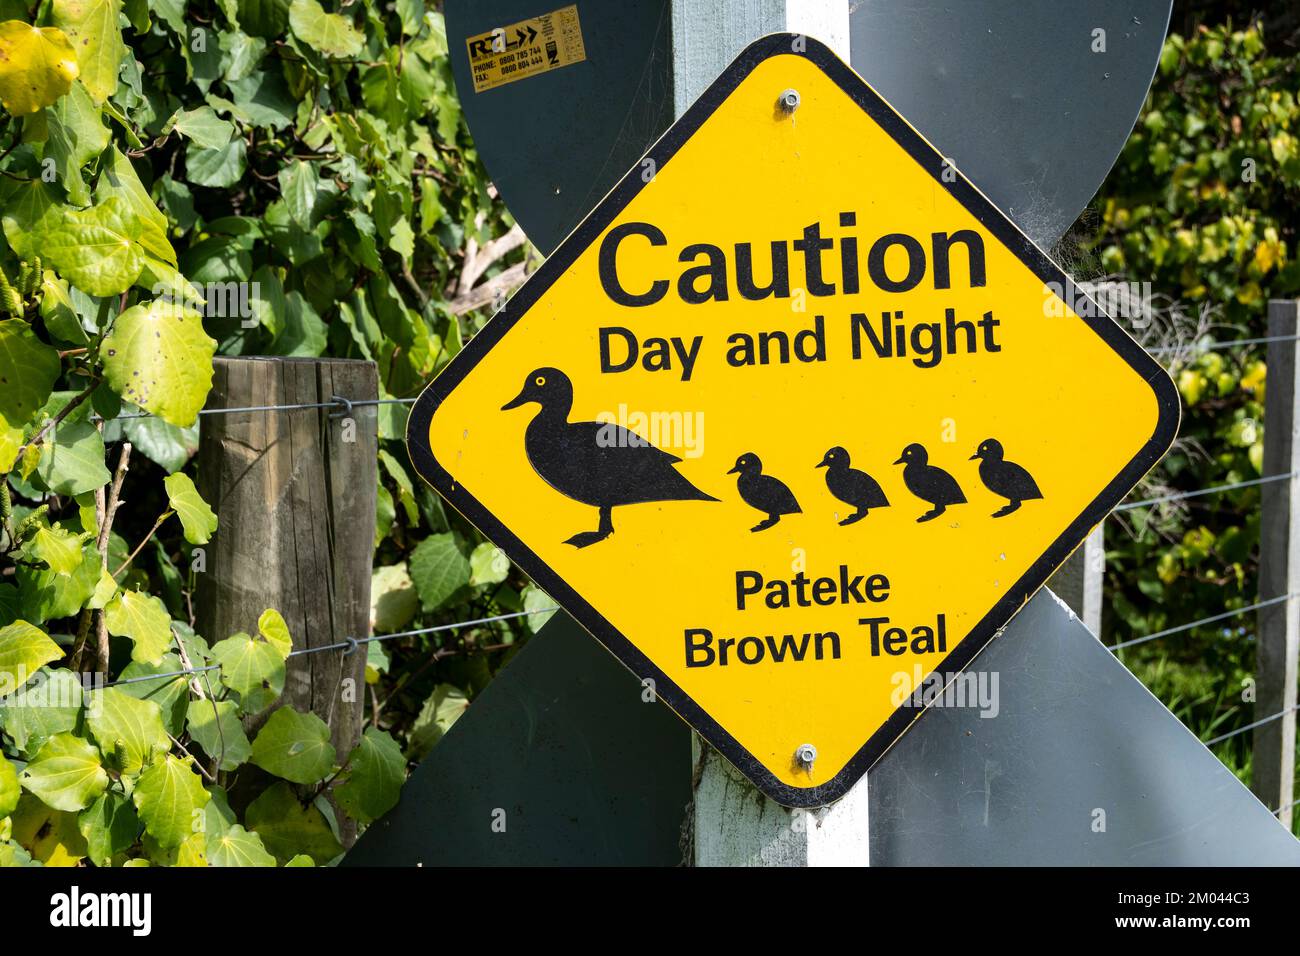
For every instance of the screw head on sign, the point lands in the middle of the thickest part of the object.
(789, 101)
(805, 755)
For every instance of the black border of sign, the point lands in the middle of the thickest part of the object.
(1169, 411)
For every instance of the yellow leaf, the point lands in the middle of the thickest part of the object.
(50, 836)
(92, 26)
(37, 66)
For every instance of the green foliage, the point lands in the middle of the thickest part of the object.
(179, 181)
(236, 178)
(1202, 204)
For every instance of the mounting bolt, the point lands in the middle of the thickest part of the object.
(788, 101)
(805, 756)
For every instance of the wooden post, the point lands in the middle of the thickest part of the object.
(734, 824)
(1278, 646)
(1078, 582)
(294, 492)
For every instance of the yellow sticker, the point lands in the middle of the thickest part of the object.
(794, 422)
(526, 49)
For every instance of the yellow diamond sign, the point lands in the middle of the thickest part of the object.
(794, 422)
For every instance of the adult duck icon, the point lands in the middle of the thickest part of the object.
(598, 463)
(1004, 478)
(763, 492)
(851, 485)
(929, 482)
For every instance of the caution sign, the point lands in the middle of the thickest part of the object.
(526, 48)
(795, 422)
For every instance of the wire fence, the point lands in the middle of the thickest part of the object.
(1218, 346)
(344, 407)
(348, 647)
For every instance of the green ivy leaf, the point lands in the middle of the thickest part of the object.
(24, 649)
(393, 599)
(438, 569)
(238, 847)
(118, 180)
(97, 248)
(170, 694)
(109, 825)
(77, 134)
(287, 828)
(172, 13)
(441, 710)
(159, 357)
(28, 371)
(300, 187)
(377, 772)
(159, 441)
(50, 705)
(329, 33)
(47, 595)
(36, 66)
(217, 168)
(142, 618)
(271, 625)
(215, 726)
(540, 605)
(66, 773)
(127, 727)
(92, 29)
(294, 746)
(29, 212)
(73, 463)
(488, 564)
(253, 669)
(201, 126)
(58, 548)
(170, 798)
(9, 789)
(197, 518)
(264, 18)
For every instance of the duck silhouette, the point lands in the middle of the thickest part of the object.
(929, 482)
(1004, 478)
(763, 492)
(851, 485)
(598, 463)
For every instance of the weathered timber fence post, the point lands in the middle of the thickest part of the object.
(1079, 581)
(734, 824)
(294, 491)
(1278, 646)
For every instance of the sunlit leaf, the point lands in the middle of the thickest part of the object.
(294, 746)
(159, 357)
(66, 773)
(37, 66)
(197, 518)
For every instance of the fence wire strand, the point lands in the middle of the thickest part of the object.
(1202, 622)
(342, 404)
(1225, 344)
(1251, 726)
(1179, 496)
(348, 646)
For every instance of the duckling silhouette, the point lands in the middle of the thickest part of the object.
(1004, 478)
(929, 482)
(597, 463)
(851, 485)
(763, 492)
